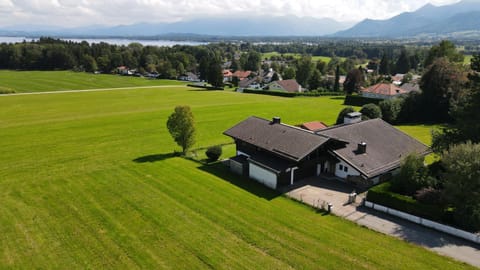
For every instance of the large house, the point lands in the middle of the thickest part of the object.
(361, 152)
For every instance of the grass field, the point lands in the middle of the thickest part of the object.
(87, 180)
(40, 81)
(297, 55)
(467, 59)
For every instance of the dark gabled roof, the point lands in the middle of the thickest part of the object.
(386, 146)
(287, 141)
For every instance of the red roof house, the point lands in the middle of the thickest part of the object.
(383, 91)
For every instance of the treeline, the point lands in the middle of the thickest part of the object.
(48, 53)
(55, 54)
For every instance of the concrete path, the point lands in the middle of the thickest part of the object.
(91, 90)
(316, 192)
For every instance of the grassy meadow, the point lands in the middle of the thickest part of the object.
(88, 180)
(297, 55)
(41, 81)
(467, 59)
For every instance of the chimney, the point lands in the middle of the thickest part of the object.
(276, 120)
(353, 117)
(362, 148)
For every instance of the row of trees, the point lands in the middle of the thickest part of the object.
(169, 62)
(444, 86)
(451, 93)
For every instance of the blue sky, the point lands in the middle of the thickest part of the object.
(71, 13)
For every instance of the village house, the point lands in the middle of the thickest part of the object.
(411, 87)
(250, 83)
(397, 79)
(189, 77)
(359, 152)
(123, 70)
(241, 74)
(227, 75)
(291, 86)
(383, 91)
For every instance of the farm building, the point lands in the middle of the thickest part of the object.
(360, 152)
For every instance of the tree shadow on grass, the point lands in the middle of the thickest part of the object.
(221, 171)
(154, 157)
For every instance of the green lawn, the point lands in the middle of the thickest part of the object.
(467, 59)
(87, 180)
(297, 55)
(39, 81)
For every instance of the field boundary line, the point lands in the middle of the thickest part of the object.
(91, 90)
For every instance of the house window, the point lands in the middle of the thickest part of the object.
(340, 167)
(345, 169)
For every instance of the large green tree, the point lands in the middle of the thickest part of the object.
(462, 183)
(289, 73)
(403, 63)
(442, 87)
(413, 176)
(353, 81)
(371, 111)
(252, 61)
(384, 68)
(305, 68)
(215, 75)
(181, 126)
(446, 49)
(315, 80)
(391, 108)
(467, 112)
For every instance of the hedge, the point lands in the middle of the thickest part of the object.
(288, 94)
(382, 195)
(205, 87)
(360, 101)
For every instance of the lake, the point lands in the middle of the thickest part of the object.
(164, 43)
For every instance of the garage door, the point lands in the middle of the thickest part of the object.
(262, 175)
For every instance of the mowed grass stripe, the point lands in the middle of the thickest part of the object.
(42, 81)
(171, 222)
(253, 229)
(76, 186)
(293, 235)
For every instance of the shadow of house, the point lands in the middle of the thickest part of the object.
(154, 158)
(223, 172)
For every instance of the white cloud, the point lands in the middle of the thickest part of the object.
(68, 13)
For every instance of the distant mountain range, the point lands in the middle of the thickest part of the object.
(460, 20)
(457, 20)
(253, 26)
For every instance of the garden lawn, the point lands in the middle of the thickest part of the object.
(87, 180)
(40, 81)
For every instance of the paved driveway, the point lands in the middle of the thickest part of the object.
(317, 192)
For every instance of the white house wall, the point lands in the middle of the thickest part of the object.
(341, 172)
(262, 175)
